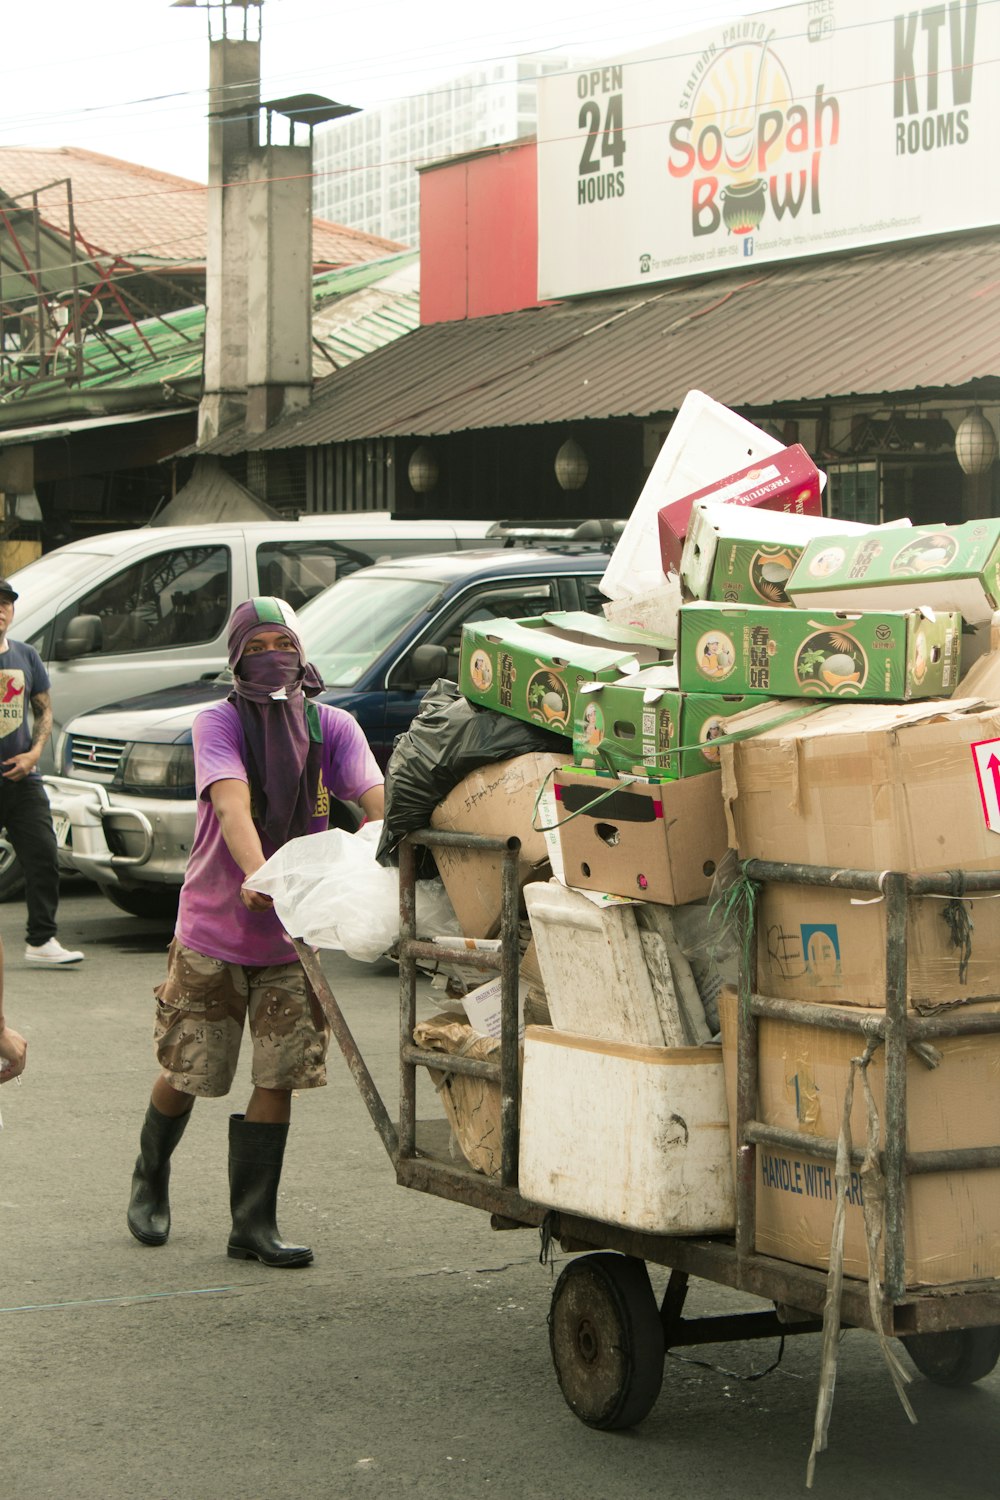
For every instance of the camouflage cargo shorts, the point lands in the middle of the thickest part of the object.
(202, 1006)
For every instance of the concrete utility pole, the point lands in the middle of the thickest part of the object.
(233, 127)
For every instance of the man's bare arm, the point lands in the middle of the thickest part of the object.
(41, 720)
(20, 766)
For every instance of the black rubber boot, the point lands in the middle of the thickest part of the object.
(149, 1205)
(256, 1152)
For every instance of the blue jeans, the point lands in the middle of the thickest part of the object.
(24, 812)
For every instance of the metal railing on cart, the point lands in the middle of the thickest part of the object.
(603, 1300)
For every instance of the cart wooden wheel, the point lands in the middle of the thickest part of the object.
(606, 1339)
(955, 1357)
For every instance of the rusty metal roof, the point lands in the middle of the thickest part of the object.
(145, 216)
(900, 319)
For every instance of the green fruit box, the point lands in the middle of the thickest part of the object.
(746, 556)
(791, 653)
(644, 724)
(533, 669)
(941, 567)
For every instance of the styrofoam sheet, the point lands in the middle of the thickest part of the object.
(706, 442)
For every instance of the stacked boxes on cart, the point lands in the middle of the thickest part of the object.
(788, 706)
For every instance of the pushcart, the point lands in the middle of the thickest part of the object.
(608, 1334)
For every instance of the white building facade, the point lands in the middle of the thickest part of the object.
(366, 165)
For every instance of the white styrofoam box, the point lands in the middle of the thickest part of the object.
(655, 611)
(706, 442)
(635, 1136)
(594, 969)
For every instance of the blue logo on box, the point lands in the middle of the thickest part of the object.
(748, 245)
(821, 949)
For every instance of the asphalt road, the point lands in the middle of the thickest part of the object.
(411, 1358)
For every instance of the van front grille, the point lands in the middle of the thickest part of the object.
(96, 758)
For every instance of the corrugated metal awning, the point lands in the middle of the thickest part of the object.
(905, 319)
(10, 436)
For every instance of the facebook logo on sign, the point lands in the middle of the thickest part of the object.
(748, 245)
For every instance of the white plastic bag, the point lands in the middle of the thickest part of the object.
(329, 891)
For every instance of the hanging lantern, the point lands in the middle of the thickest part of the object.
(422, 470)
(572, 466)
(975, 443)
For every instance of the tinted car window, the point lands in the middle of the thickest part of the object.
(521, 601)
(176, 598)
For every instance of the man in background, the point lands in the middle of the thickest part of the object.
(24, 807)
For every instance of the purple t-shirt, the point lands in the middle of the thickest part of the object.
(211, 917)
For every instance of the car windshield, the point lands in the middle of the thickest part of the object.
(347, 627)
(47, 576)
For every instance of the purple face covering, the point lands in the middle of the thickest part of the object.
(270, 689)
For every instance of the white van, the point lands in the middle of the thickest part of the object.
(130, 611)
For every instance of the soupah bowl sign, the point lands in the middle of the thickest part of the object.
(822, 126)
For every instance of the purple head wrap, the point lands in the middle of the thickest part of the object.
(281, 731)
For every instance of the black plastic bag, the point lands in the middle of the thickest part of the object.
(448, 738)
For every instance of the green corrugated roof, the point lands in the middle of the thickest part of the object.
(168, 351)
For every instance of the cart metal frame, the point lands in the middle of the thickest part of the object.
(797, 1292)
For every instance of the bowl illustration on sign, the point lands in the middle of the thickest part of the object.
(743, 205)
(481, 670)
(832, 664)
(925, 554)
(715, 655)
(548, 700)
(770, 570)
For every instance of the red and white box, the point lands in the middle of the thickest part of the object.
(788, 482)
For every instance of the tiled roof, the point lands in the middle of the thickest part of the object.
(144, 215)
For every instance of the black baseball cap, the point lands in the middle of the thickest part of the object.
(5, 588)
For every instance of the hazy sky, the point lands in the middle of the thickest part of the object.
(128, 77)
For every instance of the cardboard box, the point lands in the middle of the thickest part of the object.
(788, 482)
(644, 724)
(532, 669)
(786, 653)
(865, 787)
(822, 945)
(939, 567)
(630, 1135)
(472, 1105)
(496, 800)
(952, 1221)
(657, 841)
(746, 556)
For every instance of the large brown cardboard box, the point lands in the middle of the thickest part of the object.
(865, 786)
(824, 945)
(952, 1220)
(497, 800)
(656, 841)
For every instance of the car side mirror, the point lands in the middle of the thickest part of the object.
(426, 664)
(83, 636)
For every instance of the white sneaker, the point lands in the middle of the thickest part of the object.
(52, 952)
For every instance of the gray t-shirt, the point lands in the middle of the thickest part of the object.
(22, 675)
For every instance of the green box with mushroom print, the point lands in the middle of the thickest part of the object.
(888, 656)
(533, 669)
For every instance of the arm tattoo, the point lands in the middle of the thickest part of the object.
(41, 713)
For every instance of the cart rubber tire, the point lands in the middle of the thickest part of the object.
(606, 1339)
(955, 1357)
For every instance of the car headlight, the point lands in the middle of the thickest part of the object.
(157, 768)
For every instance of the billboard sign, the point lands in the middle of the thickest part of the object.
(821, 126)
